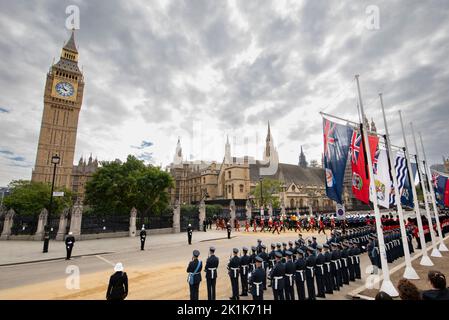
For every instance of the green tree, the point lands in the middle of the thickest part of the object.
(29, 198)
(116, 187)
(270, 193)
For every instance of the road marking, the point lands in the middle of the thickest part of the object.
(105, 260)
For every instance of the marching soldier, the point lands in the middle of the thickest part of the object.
(211, 273)
(290, 270)
(277, 276)
(194, 277)
(310, 273)
(69, 242)
(143, 235)
(245, 261)
(328, 279)
(300, 278)
(228, 228)
(234, 268)
(319, 272)
(256, 280)
(189, 233)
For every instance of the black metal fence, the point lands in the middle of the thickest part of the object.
(24, 225)
(2, 221)
(155, 222)
(91, 224)
(240, 214)
(189, 215)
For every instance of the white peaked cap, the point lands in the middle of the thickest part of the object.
(118, 267)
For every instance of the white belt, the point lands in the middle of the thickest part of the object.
(328, 264)
(69, 243)
(290, 278)
(301, 272)
(352, 259)
(263, 264)
(276, 282)
(257, 287)
(345, 261)
(212, 272)
(235, 271)
(244, 268)
(142, 239)
(339, 263)
(311, 271)
(321, 267)
(336, 264)
(253, 266)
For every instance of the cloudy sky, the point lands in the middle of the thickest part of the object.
(202, 69)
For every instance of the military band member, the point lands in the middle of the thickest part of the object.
(228, 229)
(319, 272)
(143, 235)
(234, 270)
(277, 276)
(211, 273)
(194, 275)
(245, 261)
(300, 277)
(289, 278)
(69, 242)
(189, 233)
(256, 280)
(310, 273)
(118, 284)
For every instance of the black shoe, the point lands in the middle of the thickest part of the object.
(231, 298)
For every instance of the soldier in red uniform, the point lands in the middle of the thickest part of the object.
(262, 224)
(321, 226)
(246, 226)
(254, 225)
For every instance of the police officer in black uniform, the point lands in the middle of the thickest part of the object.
(143, 235)
(228, 229)
(46, 238)
(234, 269)
(277, 276)
(256, 280)
(289, 277)
(300, 277)
(69, 242)
(319, 271)
(211, 273)
(194, 277)
(189, 233)
(244, 271)
(310, 273)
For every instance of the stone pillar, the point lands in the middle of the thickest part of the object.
(62, 224)
(232, 212)
(132, 222)
(202, 214)
(270, 209)
(43, 217)
(282, 207)
(7, 225)
(297, 211)
(249, 210)
(177, 217)
(75, 220)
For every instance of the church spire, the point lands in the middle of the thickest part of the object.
(177, 159)
(227, 157)
(302, 159)
(69, 51)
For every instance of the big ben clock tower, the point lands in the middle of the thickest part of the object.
(63, 97)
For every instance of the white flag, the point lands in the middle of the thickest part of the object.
(382, 179)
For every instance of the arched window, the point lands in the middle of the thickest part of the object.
(292, 203)
(229, 174)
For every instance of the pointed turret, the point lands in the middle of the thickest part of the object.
(70, 45)
(177, 159)
(227, 157)
(373, 126)
(302, 159)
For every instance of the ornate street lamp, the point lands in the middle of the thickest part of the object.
(55, 161)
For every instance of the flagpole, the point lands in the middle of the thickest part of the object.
(432, 193)
(435, 251)
(425, 260)
(387, 286)
(409, 272)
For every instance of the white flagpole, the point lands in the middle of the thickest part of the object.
(409, 272)
(435, 251)
(387, 286)
(425, 260)
(432, 193)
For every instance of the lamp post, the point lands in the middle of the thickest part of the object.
(55, 161)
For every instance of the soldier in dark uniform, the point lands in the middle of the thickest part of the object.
(344, 262)
(194, 277)
(271, 260)
(211, 273)
(292, 250)
(300, 277)
(118, 284)
(356, 250)
(284, 249)
(256, 280)
(189, 233)
(328, 279)
(259, 246)
(265, 261)
(319, 272)
(228, 229)
(46, 239)
(69, 242)
(310, 273)
(351, 269)
(335, 265)
(245, 261)
(252, 258)
(289, 278)
(277, 276)
(370, 250)
(143, 235)
(234, 268)
(314, 243)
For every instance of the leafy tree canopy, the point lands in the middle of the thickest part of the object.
(270, 193)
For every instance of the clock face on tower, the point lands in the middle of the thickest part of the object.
(64, 89)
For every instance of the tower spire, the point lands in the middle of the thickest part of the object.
(70, 45)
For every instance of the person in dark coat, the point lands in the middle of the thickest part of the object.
(335, 265)
(189, 233)
(439, 290)
(234, 270)
(319, 272)
(328, 279)
(310, 273)
(194, 275)
(204, 225)
(143, 236)
(244, 271)
(211, 273)
(228, 229)
(289, 277)
(69, 242)
(300, 277)
(263, 254)
(277, 276)
(118, 284)
(256, 280)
